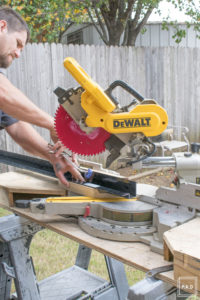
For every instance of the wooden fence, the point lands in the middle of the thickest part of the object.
(169, 75)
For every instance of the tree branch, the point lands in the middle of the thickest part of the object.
(121, 6)
(104, 38)
(134, 22)
(113, 7)
(100, 23)
(105, 15)
(61, 32)
(123, 14)
(144, 20)
(129, 9)
(125, 38)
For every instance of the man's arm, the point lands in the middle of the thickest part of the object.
(30, 140)
(16, 104)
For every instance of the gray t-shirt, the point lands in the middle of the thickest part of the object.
(5, 120)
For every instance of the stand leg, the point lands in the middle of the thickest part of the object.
(117, 277)
(16, 234)
(83, 257)
(5, 280)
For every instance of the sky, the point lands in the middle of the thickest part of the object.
(169, 9)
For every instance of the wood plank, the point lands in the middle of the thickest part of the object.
(27, 185)
(146, 173)
(183, 238)
(4, 198)
(10, 198)
(191, 269)
(135, 254)
(168, 256)
(29, 181)
(184, 243)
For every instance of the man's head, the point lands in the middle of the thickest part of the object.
(14, 34)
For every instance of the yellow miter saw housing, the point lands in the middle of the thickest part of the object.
(148, 117)
(91, 107)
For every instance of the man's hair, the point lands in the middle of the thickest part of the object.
(14, 21)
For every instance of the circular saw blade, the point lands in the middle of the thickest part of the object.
(75, 139)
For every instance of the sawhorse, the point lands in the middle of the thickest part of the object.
(76, 282)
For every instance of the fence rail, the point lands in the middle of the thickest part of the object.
(169, 75)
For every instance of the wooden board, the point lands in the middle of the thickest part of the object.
(27, 185)
(137, 255)
(184, 244)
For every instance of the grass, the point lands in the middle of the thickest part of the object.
(52, 253)
(4, 212)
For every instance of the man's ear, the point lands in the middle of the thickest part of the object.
(3, 26)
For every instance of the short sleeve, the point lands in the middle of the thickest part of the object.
(6, 120)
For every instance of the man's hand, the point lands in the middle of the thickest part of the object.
(62, 165)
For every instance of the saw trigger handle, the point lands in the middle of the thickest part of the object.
(126, 87)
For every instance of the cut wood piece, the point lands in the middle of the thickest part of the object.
(185, 239)
(15, 185)
(167, 253)
(184, 243)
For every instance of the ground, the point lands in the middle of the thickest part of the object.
(163, 177)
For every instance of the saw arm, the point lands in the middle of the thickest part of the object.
(95, 116)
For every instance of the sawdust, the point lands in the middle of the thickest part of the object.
(163, 177)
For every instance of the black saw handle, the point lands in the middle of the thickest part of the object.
(126, 87)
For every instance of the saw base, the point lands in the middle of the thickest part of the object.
(104, 230)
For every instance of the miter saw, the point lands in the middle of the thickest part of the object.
(90, 120)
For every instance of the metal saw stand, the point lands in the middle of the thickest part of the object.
(74, 283)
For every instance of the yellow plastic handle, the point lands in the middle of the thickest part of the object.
(89, 85)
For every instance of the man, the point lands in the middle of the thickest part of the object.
(16, 110)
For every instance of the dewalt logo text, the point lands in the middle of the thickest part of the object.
(131, 123)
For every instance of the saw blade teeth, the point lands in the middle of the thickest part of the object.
(76, 140)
